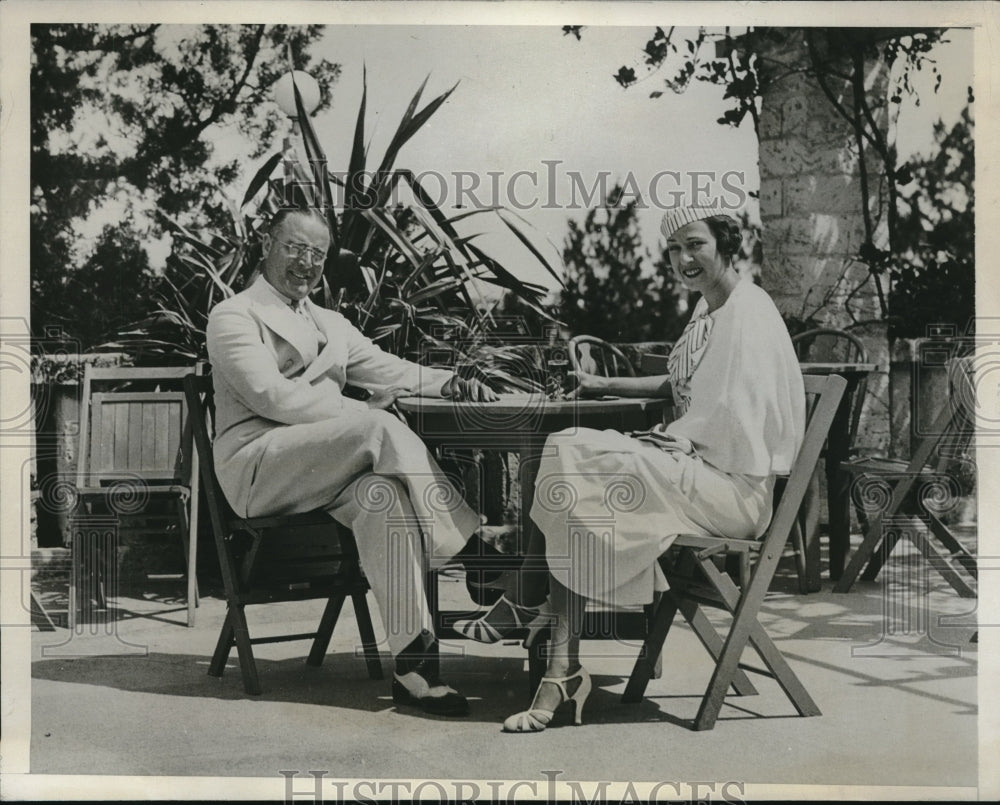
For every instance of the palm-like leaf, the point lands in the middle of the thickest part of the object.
(410, 278)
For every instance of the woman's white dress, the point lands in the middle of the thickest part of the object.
(609, 504)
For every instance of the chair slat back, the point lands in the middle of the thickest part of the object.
(137, 434)
(827, 345)
(596, 356)
(133, 422)
(952, 440)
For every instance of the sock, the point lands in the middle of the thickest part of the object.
(421, 655)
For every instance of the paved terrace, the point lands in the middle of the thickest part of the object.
(899, 704)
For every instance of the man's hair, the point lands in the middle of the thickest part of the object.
(286, 212)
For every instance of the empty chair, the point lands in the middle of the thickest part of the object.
(597, 357)
(135, 445)
(827, 345)
(909, 507)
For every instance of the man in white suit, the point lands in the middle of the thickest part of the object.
(288, 441)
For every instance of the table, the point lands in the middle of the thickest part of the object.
(838, 483)
(520, 423)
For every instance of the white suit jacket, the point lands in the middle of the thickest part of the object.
(268, 372)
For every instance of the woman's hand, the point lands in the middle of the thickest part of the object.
(460, 388)
(386, 398)
(588, 385)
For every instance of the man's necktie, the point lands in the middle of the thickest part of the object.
(298, 307)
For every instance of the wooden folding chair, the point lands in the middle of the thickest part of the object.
(946, 441)
(828, 345)
(597, 357)
(136, 445)
(270, 559)
(695, 580)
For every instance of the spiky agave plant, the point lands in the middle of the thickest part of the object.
(400, 272)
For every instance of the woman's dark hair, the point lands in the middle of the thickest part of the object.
(727, 233)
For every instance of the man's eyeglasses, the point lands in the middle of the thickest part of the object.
(302, 252)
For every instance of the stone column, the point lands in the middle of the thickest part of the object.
(811, 208)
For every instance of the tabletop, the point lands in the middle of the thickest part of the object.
(514, 403)
(526, 417)
(840, 368)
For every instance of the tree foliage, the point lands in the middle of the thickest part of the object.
(613, 291)
(935, 282)
(121, 125)
(918, 263)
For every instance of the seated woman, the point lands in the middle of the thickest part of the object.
(740, 407)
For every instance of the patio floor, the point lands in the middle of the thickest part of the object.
(897, 687)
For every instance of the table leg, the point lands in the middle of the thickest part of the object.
(533, 578)
(528, 456)
(838, 486)
(808, 523)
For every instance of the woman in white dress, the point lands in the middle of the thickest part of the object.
(608, 504)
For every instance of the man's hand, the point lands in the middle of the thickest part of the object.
(473, 390)
(385, 398)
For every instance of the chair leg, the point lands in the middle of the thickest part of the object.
(957, 549)
(100, 558)
(879, 557)
(713, 643)
(746, 629)
(431, 592)
(248, 667)
(645, 663)
(782, 672)
(235, 630)
(190, 558)
(40, 616)
(862, 555)
(537, 662)
(941, 564)
(740, 634)
(325, 631)
(222, 647)
(805, 540)
(798, 543)
(649, 613)
(368, 643)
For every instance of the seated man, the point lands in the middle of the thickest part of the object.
(288, 441)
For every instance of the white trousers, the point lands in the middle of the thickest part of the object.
(375, 476)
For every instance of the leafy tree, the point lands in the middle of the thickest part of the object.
(612, 291)
(839, 60)
(120, 123)
(935, 284)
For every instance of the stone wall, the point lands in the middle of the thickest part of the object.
(811, 211)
